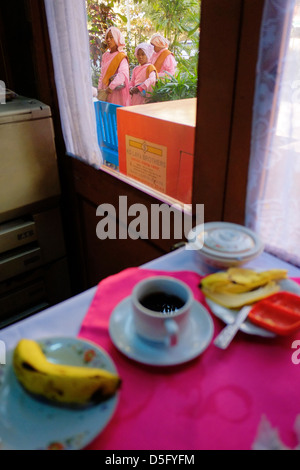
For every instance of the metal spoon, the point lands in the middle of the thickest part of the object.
(225, 337)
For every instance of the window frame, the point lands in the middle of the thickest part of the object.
(228, 49)
(228, 54)
(226, 77)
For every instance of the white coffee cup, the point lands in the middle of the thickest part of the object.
(153, 325)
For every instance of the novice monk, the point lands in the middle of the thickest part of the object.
(162, 58)
(114, 76)
(144, 75)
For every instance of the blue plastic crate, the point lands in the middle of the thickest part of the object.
(106, 119)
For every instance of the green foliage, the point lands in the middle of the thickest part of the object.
(168, 88)
(174, 18)
(188, 63)
(100, 16)
(178, 20)
(182, 86)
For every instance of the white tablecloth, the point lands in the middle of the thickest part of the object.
(65, 318)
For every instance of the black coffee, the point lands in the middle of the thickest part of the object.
(162, 302)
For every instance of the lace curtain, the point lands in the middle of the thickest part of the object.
(67, 24)
(273, 198)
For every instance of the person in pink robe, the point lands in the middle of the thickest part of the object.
(117, 91)
(144, 75)
(160, 45)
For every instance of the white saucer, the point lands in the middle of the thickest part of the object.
(192, 342)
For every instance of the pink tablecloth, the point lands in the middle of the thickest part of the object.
(215, 401)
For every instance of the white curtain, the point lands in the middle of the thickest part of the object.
(67, 24)
(273, 198)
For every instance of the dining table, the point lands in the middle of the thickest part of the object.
(193, 397)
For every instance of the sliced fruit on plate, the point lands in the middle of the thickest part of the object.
(279, 313)
(240, 286)
(236, 280)
(244, 298)
(251, 279)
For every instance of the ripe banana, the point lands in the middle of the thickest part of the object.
(61, 384)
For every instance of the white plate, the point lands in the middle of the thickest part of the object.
(192, 342)
(27, 424)
(228, 315)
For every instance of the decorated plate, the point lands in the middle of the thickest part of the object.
(27, 424)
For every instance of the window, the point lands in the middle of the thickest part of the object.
(152, 145)
(226, 75)
(274, 195)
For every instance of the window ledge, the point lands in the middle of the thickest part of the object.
(187, 208)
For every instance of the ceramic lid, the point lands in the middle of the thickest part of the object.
(225, 240)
